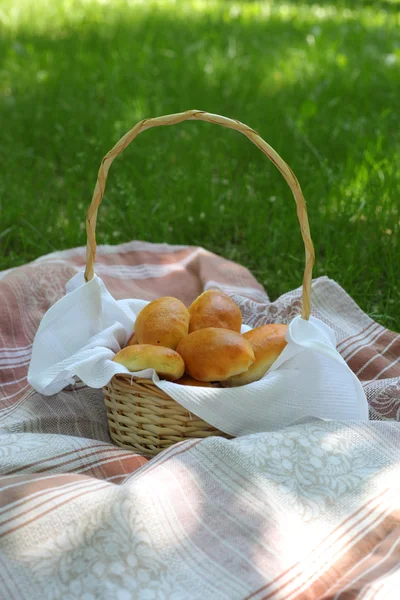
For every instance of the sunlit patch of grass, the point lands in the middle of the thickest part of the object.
(319, 80)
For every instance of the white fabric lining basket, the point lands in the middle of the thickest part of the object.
(309, 378)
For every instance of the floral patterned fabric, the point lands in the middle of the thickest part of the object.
(310, 511)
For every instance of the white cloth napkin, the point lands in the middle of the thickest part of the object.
(80, 334)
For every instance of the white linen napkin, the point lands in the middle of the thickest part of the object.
(79, 336)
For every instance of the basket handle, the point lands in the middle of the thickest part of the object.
(253, 136)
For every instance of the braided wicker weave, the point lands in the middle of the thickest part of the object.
(140, 415)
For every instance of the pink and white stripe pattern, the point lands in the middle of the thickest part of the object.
(311, 511)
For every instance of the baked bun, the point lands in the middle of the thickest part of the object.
(163, 322)
(214, 309)
(187, 380)
(213, 354)
(267, 341)
(132, 340)
(167, 363)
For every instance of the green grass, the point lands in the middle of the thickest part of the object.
(320, 82)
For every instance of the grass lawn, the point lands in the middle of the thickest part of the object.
(319, 81)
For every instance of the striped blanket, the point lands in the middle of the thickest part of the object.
(310, 511)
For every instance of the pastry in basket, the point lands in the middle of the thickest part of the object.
(267, 341)
(163, 322)
(167, 363)
(214, 309)
(214, 354)
(132, 340)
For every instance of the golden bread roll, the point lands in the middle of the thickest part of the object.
(163, 322)
(213, 354)
(132, 340)
(167, 363)
(267, 341)
(187, 380)
(214, 309)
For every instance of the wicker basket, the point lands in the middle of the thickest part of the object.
(140, 415)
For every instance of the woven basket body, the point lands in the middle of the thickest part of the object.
(142, 417)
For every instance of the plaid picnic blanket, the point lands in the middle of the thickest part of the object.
(310, 511)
